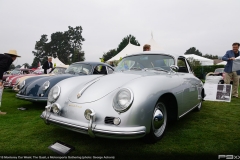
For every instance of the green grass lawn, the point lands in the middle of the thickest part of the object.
(206, 134)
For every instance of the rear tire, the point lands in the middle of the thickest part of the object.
(159, 121)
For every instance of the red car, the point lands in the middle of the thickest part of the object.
(15, 73)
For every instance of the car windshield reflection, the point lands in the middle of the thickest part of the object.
(150, 62)
(79, 69)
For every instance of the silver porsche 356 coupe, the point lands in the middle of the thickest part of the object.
(146, 91)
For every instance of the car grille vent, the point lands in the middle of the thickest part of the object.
(109, 120)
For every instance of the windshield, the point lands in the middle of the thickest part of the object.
(219, 70)
(15, 71)
(79, 68)
(149, 61)
(58, 70)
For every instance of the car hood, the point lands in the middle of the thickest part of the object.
(100, 87)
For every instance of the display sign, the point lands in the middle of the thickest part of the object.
(61, 148)
(218, 92)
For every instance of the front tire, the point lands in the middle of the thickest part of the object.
(158, 123)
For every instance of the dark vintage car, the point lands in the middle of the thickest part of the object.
(36, 89)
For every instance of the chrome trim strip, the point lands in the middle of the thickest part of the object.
(38, 99)
(189, 110)
(85, 87)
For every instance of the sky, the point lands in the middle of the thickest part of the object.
(176, 25)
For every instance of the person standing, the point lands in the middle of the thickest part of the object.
(147, 47)
(230, 57)
(47, 65)
(6, 60)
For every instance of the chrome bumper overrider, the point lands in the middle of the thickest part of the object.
(31, 98)
(92, 129)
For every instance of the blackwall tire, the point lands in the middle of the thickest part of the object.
(158, 127)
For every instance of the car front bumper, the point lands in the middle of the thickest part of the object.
(92, 129)
(31, 98)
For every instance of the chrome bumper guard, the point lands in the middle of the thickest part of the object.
(33, 99)
(92, 129)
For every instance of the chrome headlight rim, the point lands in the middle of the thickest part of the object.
(46, 85)
(124, 108)
(51, 97)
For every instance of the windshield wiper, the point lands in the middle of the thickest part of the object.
(157, 69)
(135, 68)
(82, 73)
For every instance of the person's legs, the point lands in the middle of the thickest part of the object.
(227, 78)
(235, 84)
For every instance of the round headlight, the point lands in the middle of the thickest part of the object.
(22, 85)
(55, 108)
(87, 113)
(46, 85)
(123, 100)
(54, 93)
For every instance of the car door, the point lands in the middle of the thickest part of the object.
(190, 92)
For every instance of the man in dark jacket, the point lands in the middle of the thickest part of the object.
(5, 62)
(47, 65)
(230, 57)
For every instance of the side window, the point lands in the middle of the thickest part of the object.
(110, 70)
(182, 65)
(100, 69)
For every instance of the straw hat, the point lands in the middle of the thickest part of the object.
(13, 52)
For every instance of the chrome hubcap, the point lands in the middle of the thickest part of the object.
(158, 119)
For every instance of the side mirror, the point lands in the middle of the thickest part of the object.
(174, 68)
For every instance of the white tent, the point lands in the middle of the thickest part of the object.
(222, 63)
(154, 45)
(56, 62)
(204, 61)
(131, 49)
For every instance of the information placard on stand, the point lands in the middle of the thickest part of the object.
(218, 92)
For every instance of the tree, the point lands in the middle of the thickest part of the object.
(193, 50)
(12, 66)
(42, 48)
(18, 66)
(111, 53)
(75, 40)
(210, 56)
(62, 45)
(128, 39)
(193, 62)
(36, 62)
(26, 65)
(125, 42)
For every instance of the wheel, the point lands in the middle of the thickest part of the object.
(158, 123)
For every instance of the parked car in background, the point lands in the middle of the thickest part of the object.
(37, 89)
(56, 71)
(145, 92)
(17, 71)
